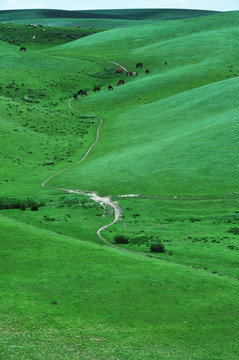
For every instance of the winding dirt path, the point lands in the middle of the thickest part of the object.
(102, 200)
(88, 151)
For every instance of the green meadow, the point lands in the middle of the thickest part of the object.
(169, 139)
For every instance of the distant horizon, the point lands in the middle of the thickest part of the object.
(74, 5)
(100, 9)
(114, 9)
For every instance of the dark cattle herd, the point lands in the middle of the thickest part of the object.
(120, 82)
(118, 71)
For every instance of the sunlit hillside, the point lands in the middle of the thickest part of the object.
(119, 205)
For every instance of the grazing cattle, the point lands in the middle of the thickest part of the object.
(135, 73)
(121, 82)
(80, 92)
(119, 71)
(129, 73)
(84, 93)
(165, 63)
(146, 71)
(23, 48)
(139, 65)
(75, 96)
(110, 87)
(96, 88)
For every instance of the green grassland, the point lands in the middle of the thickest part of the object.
(131, 14)
(39, 37)
(68, 299)
(106, 19)
(192, 152)
(169, 136)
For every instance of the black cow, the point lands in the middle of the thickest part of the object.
(96, 88)
(146, 71)
(110, 87)
(139, 65)
(23, 48)
(121, 82)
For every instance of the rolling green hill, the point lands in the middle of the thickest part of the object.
(106, 19)
(38, 37)
(190, 153)
(169, 137)
(129, 14)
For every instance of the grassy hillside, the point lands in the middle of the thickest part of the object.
(38, 37)
(189, 153)
(106, 19)
(169, 136)
(73, 300)
(130, 14)
(35, 90)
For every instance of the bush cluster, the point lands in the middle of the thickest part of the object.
(23, 204)
(157, 247)
(121, 239)
(155, 244)
(234, 230)
(76, 201)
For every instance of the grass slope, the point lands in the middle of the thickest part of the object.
(38, 37)
(106, 19)
(66, 304)
(131, 14)
(191, 153)
(169, 135)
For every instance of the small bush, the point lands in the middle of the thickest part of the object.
(121, 239)
(234, 230)
(34, 207)
(157, 247)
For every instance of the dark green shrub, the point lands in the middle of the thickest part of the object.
(234, 230)
(34, 208)
(139, 240)
(13, 203)
(121, 239)
(157, 247)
